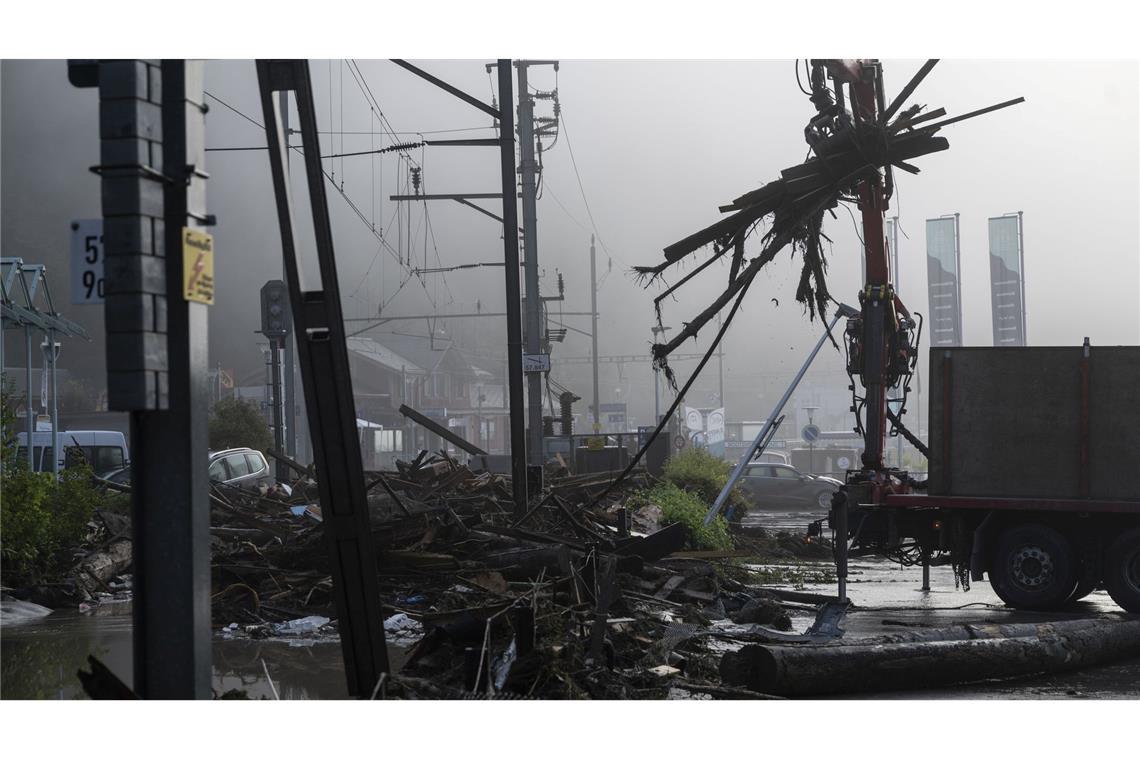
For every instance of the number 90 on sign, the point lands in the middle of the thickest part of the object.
(87, 261)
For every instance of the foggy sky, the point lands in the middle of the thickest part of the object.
(658, 145)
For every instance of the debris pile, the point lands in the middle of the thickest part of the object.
(579, 598)
(574, 599)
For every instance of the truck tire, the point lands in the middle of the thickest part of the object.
(1033, 568)
(1122, 570)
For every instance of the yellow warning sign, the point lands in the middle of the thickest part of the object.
(197, 266)
(595, 443)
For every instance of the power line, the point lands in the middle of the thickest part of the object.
(351, 204)
(574, 163)
(362, 83)
(566, 211)
(227, 105)
(387, 132)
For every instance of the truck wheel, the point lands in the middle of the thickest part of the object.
(1122, 570)
(1034, 567)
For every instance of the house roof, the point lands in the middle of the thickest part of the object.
(431, 356)
(385, 356)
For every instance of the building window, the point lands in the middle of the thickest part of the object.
(439, 385)
(388, 441)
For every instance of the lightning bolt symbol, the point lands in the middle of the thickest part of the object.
(199, 265)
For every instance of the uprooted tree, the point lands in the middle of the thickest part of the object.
(846, 153)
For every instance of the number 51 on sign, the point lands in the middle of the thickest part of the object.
(87, 261)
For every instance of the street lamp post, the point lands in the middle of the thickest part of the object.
(811, 444)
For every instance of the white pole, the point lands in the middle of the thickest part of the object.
(843, 311)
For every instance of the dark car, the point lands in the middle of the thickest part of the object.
(244, 468)
(783, 486)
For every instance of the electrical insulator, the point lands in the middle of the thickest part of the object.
(566, 401)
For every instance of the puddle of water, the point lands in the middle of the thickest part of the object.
(39, 660)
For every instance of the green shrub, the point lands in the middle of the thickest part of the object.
(41, 519)
(696, 470)
(236, 423)
(25, 523)
(7, 425)
(686, 507)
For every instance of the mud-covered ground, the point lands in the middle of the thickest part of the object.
(39, 657)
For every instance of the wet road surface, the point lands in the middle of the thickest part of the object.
(888, 598)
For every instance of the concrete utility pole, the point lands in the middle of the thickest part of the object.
(594, 331)
(156, 314)
(527, 169)
(504, 114)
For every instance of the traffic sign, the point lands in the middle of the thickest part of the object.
(810, 433)
(87, 261)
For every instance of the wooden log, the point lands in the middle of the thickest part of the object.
(441, 431)
(817, 670)
(93, 572)
(669, 586)
(656, 545)
(968, 631)
(605, 576)
(292, 464)
(524, 564)
(795, 596)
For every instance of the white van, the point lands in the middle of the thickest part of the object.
(104, 450)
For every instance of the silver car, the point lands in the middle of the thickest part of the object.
(781, 485)
(244, 468)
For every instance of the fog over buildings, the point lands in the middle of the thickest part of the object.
(653, 148)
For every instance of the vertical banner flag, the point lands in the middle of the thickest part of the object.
(1007, 280)
(714, 426)
(943, 277)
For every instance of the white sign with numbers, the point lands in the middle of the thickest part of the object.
(87, 261)
(536, 362)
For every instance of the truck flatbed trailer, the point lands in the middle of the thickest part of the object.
(1034, 460)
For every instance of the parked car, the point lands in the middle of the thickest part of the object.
(783, 486)
(244, 468)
